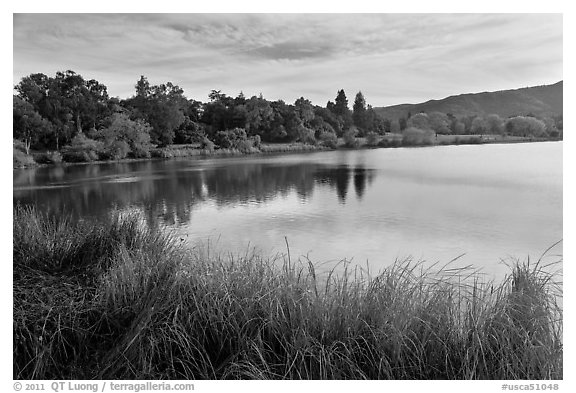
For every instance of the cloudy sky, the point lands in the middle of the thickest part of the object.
(391, 58)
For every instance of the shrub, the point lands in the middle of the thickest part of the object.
(329, 139)
(19, 145)
(48, 158)
(21, 159)
(207, 144)
(82, 149)
(134, 133)
(229, 139)
(350, 137)
(245, 146)
(372, 139)
(116, 150)
(79, 156)
(256, 141)
(306, 135)
(412, 136)
(525, 126)
(385, 142)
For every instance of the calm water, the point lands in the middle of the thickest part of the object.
(488, 202)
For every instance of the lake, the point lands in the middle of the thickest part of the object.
(489, 202)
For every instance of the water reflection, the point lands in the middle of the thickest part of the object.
(170, 190)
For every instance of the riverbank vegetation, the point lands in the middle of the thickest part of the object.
(69, 117)
(117, 299)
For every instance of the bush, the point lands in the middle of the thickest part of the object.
(83, 149)
(230, 139)
(22, 159)
(306, 135)
(48, 158)
(385, 142)
(256, 141)
(329, 139)
(350, 137)
(413, 136)
(79, 156)
(134, 133)
(207, 144)
(245, 146)
(116, 150)
(372, 139)
(19, 145)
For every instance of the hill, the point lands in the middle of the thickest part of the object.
(541, 101)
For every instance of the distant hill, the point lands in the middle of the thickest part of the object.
(541, 101)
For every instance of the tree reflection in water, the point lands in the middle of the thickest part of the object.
(168, 191)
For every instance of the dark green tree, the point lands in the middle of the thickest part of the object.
(359, 112)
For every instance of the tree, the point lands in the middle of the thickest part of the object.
(525, 126)
(403, 122)
(494, 124)
(329, 117)
(304, 111)
(67, 101)
(419, 120)
(259, 116)
(135, 133)
(395, 126)
(341, 104)
(439, 122)
(359, 112)
(28, 126)
(162, 106)
(479, 126)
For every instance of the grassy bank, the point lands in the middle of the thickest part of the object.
(23, 160)
(119, 300)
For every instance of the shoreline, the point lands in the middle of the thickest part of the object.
(291, 148)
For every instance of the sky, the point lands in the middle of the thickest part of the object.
(391, 58)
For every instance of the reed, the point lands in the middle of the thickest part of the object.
(119, 300)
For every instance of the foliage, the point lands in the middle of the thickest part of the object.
(230, 139)
(494, 124)
(21, 159)
(372, 139)
(329, 139)
(82, 149)
(413, 136)
(306, 135)
(53, 157)
(207, 144)
(420, 121)
(359, 112)
(350, 137)
(49, 112)
(395, 126)
(67, 101)
(479, 126)
(439, 122)
(29, 126)
(124, 136)
(525, 126)
(162, 106)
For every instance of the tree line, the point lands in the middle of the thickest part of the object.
(70, 114)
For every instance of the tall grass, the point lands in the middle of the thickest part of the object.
(120, 300)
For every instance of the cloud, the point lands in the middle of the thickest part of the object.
(392, 58)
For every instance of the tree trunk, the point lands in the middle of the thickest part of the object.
(78, 123)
